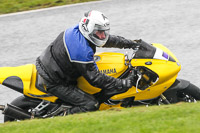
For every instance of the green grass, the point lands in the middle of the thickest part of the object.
(178, 118)
(10, 6)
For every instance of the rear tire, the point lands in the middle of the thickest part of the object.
(22, 103)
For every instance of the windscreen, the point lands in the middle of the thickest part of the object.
(146, 51)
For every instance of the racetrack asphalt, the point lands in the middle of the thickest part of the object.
(174, 23)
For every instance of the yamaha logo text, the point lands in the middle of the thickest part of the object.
(108, 71)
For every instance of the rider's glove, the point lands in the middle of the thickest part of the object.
(135, 44)
(128, 82)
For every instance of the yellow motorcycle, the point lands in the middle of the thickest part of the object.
(156, 69)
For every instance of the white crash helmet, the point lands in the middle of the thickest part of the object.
(95, 27)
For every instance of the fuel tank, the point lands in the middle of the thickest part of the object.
(109, 63)
(112, 64)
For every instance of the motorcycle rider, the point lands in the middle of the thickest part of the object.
(70, 56)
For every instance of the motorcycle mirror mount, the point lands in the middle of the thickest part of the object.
(135, 49)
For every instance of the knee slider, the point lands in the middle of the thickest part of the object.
(92, 105)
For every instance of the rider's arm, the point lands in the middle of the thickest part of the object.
(119, 42)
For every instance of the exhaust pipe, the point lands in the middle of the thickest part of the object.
(15, 112)
(2, 107)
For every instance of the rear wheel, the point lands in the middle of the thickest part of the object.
(22, 103)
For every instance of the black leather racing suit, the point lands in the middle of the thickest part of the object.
(60, 74)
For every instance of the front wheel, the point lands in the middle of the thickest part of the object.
(189, 94)
(182, 90)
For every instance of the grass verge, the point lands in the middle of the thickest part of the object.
(10, 6)
(182, 117)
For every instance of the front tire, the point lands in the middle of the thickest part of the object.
(189, 94)
(182, 90)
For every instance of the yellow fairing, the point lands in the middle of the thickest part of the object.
(150, 93)
(167, 72)
(112, 64)
(27, 74)
(104, 106)
(23, 72)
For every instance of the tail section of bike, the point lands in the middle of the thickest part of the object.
(37, 89)
(24, 79)
(16, 78)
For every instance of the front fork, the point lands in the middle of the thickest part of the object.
(164, 99)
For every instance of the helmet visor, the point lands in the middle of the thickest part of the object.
(101, 34)
(101, 31)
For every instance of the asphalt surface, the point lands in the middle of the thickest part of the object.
(174, 23)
